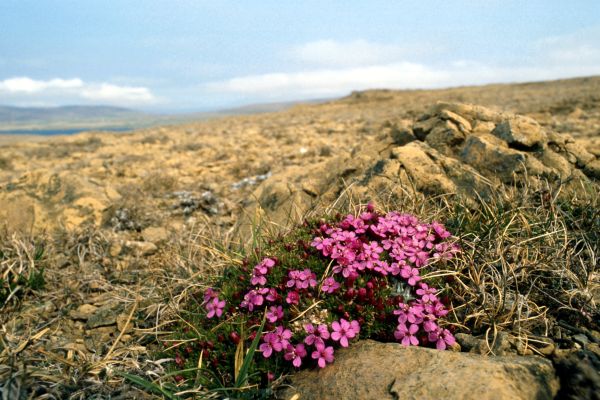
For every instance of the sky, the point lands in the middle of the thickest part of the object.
(196, 55)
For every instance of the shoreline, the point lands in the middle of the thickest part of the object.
(8, 139)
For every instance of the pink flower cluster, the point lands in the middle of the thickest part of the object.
(421, 315)
(278, 340)
(302, 279)
(369, 269)
(395, 246)
(212, 304)
(261, 270)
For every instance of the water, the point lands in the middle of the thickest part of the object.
(70, 131)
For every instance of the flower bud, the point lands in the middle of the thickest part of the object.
(235, 337)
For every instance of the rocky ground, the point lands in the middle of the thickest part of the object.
(122, 209)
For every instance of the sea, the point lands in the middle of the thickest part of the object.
(70, 131)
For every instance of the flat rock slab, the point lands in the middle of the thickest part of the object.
(372, 370)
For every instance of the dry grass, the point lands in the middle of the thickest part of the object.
(21, 268)
(529, 267)
(529, 261)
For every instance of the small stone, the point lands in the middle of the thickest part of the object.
(520, 131)
(547, 350)
(83, 312)
(466, 341)
(156, 235)
(121, 321)
(115, 249)
(581, 339)
(592, 169)
(141, 248)
(422, 128)
(463, 124)
(104, 316)
(402, 135)
(582, 156)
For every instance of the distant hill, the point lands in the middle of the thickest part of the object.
(17, 115)
(71, 119)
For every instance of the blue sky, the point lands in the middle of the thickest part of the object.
(180, 55)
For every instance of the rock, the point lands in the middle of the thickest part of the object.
(467, 342)
(422, 128)
(422, 169)
(592, 169)
(520, 132)
(141, 249)
(559, 164)
(445, 136)
(121, 323)
(470, 112)
(581, 339)
(156, 235)
(83, 312)
(402, 135)
(371, 370)
(581, 155)
(548, 349)
(104, 316)
(461, 123)
(484, 155)
(579, 377)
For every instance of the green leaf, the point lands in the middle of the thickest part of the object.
(149, 386)
(243, 374)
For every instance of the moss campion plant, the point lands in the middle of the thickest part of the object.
(319, 288)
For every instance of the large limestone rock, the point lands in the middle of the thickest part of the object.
(522, 132)
(453, 149)
(371, 370)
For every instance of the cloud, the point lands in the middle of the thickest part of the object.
(25, 90)
(328, 82)
(28, 85)
(581, 47)
(112, 93)
(341, 67)
(331, 53)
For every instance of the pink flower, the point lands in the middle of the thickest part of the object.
(251, 299)
(292, 298)
(323, 355)
(275, 313)
(316, 335)
(271, 343)
(215, 307)
(442, 338)
(209, 294)
(411, 275)
(324, 245)
(429, 324)
(272, 295)
(283, 335)
(428, 295)
(330, 285)
(439, 230)
(407, 335)
(295, 354)
(344, 330)
(412, 314)
(301, 279)
(260, 280)
(260, 270)
(265, 266)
